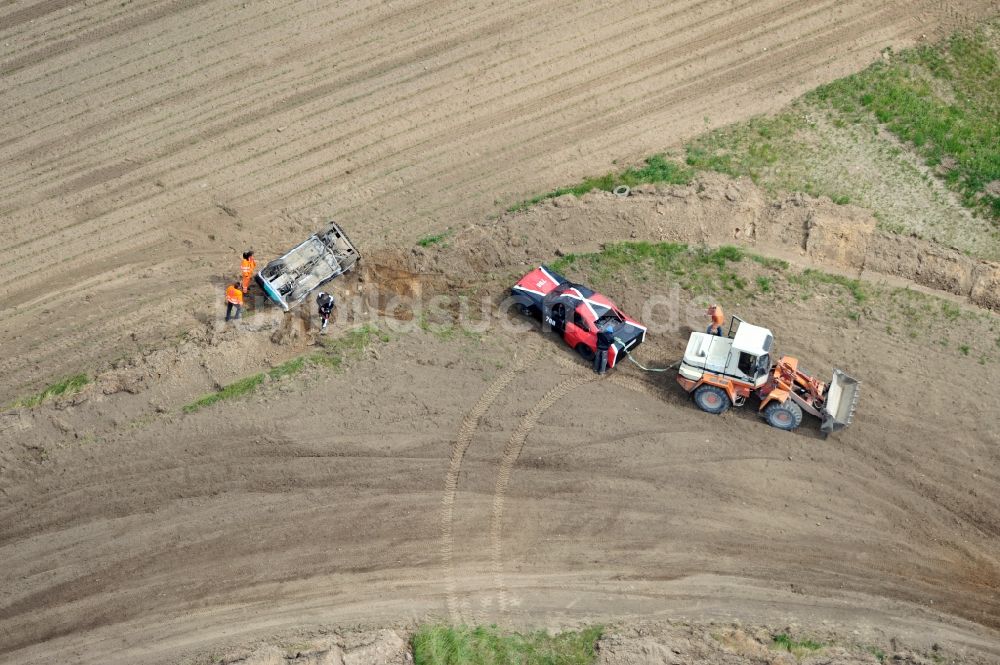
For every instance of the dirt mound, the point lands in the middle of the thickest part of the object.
(716, 210)
(384, 647)
(735, 644)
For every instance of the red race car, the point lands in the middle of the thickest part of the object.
(576, 312)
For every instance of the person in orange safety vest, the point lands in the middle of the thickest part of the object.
(234, 300)
(247, 268)
(718, 318)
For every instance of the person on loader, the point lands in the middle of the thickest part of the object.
(248, 266)
(718, 318)
(605, 337)
(326, 303)
(234, 300)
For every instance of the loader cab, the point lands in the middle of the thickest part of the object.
(751, 350)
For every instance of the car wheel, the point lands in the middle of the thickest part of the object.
(585, 351)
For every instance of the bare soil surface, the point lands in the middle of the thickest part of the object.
(463, 477)
(492, 477)
(146, 144)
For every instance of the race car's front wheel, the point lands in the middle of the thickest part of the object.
(585, 351)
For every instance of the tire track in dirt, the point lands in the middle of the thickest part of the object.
(314, 68)
(501, 107)
(212, 44)
(364, 72)
(58, 48)
(199, 176)
(713, 17)
(33, 12)
(115, 192)
(462, 442)
(56, 26)
(510, 454)
(696, 87)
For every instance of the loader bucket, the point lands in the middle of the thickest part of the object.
(841, 399)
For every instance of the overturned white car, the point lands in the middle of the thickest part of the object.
(289, 279)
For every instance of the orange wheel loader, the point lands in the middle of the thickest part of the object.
(720, 372)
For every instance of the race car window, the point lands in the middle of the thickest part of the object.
(578, 320)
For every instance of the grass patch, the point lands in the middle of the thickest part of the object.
(894, 138)
(335, 352)
(699, 270)
(236, 389)
(749, 149)
(797, 648)
(446, 645)
(714, 272)
(810, 278)
(941, 101)
(436, 239)
(68, 386)
(878, 653)
(950, 311)
(657, 169)
(287, 368)
(768, 262)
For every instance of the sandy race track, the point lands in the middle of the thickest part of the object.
(469, 478)
(493, 478)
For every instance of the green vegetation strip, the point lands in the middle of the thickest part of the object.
(699, 270)
(335, 352)
(704, 271)
(68, 386)
(734, 274)
(436, 239)
(797, 647)
(446, 645)
(944, 101)
(862, 139)
(657, 169)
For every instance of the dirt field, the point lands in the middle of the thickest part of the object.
(130, 129)
(469, 478)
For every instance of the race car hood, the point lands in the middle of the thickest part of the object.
(628, 335)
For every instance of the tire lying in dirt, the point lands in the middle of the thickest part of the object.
(785, 416)
(711, 399)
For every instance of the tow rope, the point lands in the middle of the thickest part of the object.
(643, 367)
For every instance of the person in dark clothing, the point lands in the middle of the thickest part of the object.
(326, 304)
(604, 339)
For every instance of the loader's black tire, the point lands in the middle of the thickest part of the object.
(786, 416)
(585, 352)
(712, 399)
